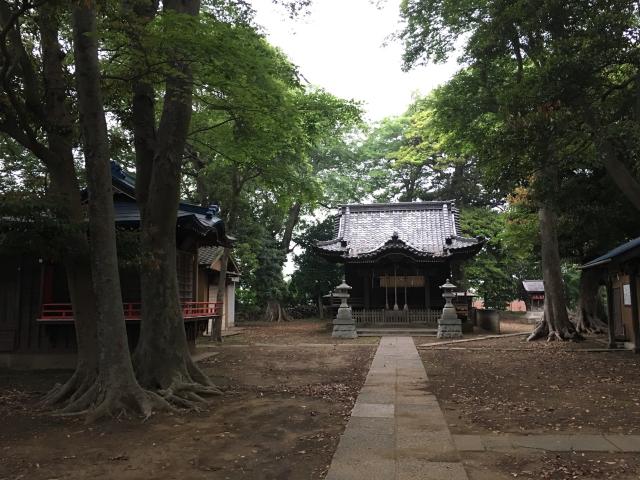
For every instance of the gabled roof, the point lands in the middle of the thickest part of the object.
(208, 256)
(201, 220)
(626, 249)
(429, 231)
(533, 286)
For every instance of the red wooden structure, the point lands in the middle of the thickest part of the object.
(63, 312)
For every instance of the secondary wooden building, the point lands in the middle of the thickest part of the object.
(621, 268)
(396, 256)
(210, 263)
(533, 295)
(36, 314)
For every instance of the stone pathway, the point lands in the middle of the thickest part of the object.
(549, 442)
(396, 430)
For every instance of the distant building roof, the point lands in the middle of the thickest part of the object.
(429, 231)
(620, 250)
(533, 286)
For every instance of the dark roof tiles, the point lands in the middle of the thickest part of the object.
(533, 285)
(612, 254)
(422, 228)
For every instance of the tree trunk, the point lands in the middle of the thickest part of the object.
(79, 279)
(162, 358)
(275, 313)
(49, 92)
(116, 388)
(622, 176)
(588, 312)
(556, 319)
(292, 220)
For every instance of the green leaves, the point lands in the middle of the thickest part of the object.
(496, 273)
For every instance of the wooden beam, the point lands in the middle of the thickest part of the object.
(612, 340)
(635, 321)
(367, 287)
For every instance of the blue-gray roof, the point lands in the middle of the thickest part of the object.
(422, 229)
(201, 220)
(612, 254)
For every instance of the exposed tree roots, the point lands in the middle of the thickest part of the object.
(63, 394)
(98, 402)
(275, 313)
(590, 309)
(185, 386)
(542, 330)
(85, 394)
(590, 324)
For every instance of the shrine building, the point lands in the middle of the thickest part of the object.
(396, 256)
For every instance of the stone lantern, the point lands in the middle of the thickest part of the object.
(343, 324)
(449, 325)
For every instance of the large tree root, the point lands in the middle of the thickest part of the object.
(66, 393)
(189, 395)
(98, 402)
(275, 313)
(542, 330)
(590, 324)
(185, 386)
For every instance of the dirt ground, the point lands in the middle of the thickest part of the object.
(280, 418)
(507, 385)
(295, 332)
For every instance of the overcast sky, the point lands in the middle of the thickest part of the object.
(339, 47)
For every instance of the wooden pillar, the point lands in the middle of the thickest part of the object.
(395, 287)
(427, 293)
(612, 339)
(386, 292)
(406, 307)
(366, 290)
(635, 321)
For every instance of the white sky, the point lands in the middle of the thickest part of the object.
(339, 47)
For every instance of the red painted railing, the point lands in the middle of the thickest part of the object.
(63, 312)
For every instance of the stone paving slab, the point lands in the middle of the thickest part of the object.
(548, 442)
(626, 443)
(373, 410)
(396, 430)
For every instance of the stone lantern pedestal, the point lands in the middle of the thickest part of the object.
(343, 324)
(449, 325)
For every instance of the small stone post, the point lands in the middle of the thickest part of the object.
(449, 325)
(343, 324)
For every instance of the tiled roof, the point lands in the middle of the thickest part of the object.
(201, 220)
(612, 254)
(422, 229)
(533, 285)
(208, 255)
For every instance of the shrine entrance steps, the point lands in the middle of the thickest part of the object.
(404, 331)
(396, 430)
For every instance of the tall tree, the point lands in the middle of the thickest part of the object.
(162, 359)
(36, 113)
(534, 92)
(116, 388)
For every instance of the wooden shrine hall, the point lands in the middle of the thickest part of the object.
(396, 256)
